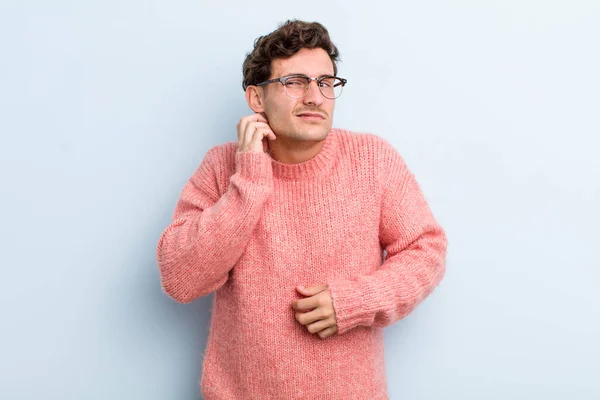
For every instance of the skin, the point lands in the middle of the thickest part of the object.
(275, 126)
(322, 319)
(298, 140)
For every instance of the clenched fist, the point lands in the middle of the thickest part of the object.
(316, 311)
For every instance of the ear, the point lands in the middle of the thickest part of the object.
(255, 98)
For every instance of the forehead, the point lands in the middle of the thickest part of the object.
(311, 62)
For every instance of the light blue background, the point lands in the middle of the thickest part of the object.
(108, 107)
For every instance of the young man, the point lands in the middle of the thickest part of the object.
(288, 226)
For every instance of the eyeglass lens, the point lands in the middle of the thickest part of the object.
(298, 87)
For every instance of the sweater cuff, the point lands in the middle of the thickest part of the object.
(349, 305)
(254, 166)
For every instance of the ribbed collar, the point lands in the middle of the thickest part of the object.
(317, 167)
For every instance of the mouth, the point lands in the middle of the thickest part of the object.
(311, 116)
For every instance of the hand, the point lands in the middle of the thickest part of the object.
(253, 133)
(321, 319)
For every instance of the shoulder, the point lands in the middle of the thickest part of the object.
(353, 137)
(219, 157)
(379, 156)
(216, 166)
(369, 146)
(362, 138)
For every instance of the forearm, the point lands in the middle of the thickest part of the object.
(198, 249)
(392, 292)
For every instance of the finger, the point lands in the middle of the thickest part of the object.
(252, 118)
(258, 136)
(245, 139)
(327, 332)
(252, 127)
(311, 316)
(260, 118)
(319, 326)
(307, 303)
(243, 124)
(265, 126)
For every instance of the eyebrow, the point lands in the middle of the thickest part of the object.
(300, 73)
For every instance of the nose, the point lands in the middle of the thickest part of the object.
(314, 95)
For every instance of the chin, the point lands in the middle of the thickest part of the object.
(323, 132)
(312, 133)
(315, 134)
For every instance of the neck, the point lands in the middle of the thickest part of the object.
(304, 160)
(291, 151)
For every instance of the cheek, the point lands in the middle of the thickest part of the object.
(282, 114)
(330, 108)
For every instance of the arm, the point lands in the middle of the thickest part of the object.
(208, 233)
(415, 263)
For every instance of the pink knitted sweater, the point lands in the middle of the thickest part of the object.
(251, 229)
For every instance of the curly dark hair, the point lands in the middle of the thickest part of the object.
(289, 38)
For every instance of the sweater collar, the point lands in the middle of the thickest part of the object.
(317, 167)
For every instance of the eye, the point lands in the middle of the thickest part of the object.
(327, 82)
(295, 82)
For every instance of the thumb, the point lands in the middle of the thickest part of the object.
(311, 291)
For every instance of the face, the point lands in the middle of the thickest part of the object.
(284, 112)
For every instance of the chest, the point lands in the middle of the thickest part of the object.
(310, 234)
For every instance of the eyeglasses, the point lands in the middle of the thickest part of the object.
(297, 86)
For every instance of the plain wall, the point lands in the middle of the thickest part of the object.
(107, 108)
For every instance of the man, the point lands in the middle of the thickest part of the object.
(288, 226)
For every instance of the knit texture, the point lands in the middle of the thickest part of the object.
(251, 229)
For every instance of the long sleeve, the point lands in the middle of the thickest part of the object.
(208, 232)
(415, 262)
